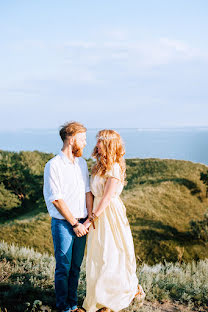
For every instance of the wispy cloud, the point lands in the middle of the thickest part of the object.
(80, 44)
(88, 61)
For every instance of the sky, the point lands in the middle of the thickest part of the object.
(107, 64)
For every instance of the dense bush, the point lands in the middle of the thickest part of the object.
(21, 178)
(204, 179)
(8, 200)
(200, 228)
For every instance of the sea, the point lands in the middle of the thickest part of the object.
(171, 143)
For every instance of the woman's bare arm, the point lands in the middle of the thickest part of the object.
(109, 191)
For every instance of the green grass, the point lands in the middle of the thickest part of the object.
(32, 231)
(161, 198)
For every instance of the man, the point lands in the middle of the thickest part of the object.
(69, 201)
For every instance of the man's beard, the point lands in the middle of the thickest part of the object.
(76, 150)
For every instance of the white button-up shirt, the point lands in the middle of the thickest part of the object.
(68, 181)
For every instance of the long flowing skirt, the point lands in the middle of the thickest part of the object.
(110, 265)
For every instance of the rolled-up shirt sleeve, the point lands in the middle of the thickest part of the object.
(87, 182)
(52, 189)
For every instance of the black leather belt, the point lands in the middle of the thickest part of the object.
(78, 219)
(81, 219)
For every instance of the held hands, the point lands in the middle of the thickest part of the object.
(80, 230)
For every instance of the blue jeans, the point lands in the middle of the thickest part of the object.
(69, 253)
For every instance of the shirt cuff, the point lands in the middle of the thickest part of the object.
(87, 190)
(55, 197)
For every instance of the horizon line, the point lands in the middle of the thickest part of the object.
(120, 128)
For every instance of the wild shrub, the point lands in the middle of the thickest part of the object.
(204, 179)
(199, 228)
(28, 276)
(185, 283)
(8, 200)
(21, 180)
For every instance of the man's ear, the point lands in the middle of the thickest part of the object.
(71, 140)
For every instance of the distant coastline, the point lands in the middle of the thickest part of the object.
(187, 128)
(185, 143)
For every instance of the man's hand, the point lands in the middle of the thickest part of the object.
(80, 230)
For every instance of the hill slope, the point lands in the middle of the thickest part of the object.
(161, 198)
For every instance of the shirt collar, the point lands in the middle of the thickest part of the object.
(66, 159)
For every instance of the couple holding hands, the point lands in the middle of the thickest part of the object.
(92, 210)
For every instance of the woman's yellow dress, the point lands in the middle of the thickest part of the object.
(110, 265)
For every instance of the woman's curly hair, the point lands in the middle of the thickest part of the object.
(113, 150)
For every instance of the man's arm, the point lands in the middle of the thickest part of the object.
(63, 209)
(89, 203)
(89, 195)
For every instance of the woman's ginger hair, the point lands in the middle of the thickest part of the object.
(71, 129)
(113, 151)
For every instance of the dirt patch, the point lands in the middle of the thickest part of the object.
(168, 307)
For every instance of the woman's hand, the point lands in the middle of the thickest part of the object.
(87, 223)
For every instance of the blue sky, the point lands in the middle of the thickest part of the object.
(108, 64)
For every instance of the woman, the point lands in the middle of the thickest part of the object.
(110, 266)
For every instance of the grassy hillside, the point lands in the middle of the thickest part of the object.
(161, 198)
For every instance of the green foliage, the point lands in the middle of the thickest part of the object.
(21, 178)
(8, 200)
(199, 228)
(204, 179)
